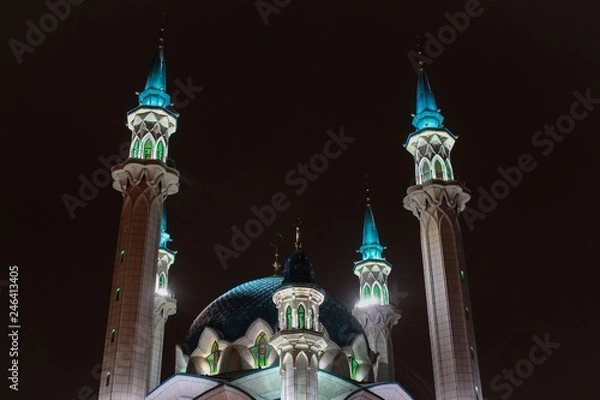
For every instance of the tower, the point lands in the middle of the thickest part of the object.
(299, 339)
(165, 304)
(436, 200)
(145, 181)
(374, 311)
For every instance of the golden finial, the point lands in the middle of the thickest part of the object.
(276, 264)
(367, 189)
(298, 242)
(163, 27)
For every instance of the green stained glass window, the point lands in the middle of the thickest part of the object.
(386, 294)
(261, 350)
(311, 319)
(439, 169)
(113, 333)
(367, 292)
(122, 256)
(354, 364)
(377, 292)
(462, 275)
(425, 171)
(301, 317)
(147, 149)
(288, 318)
(117, 294)
(162, 281)
(213, 357)
(160, 150)
(135, 149)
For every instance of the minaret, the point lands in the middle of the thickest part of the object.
(164, 303)
(298, 340)
(145, 181)
(374, 311)
(436, 200)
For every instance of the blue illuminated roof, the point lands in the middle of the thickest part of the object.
(232, 313)
(371, 248)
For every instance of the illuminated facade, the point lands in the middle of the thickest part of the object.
(281, 337)
(436, 200)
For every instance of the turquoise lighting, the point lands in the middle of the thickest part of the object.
(370, 249)
(155, 92)
(165, 238)
(427, 114)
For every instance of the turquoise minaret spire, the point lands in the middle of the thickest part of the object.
(371, 248)
(155, 93)
(373, 309)
(427, 114)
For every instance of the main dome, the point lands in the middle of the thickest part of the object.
(232, 313)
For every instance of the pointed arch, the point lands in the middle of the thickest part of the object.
(301, 317)
(261, 351)
(213, 357)
(135, 148)
(160, 149)
(386, 294)
(449, 171)
(288, 318)
(311, 319)
(438, 167)
(367, 292)
(147, 147)
(377, 292)
(162, 281)
(425, 170)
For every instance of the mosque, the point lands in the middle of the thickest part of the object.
(283, 336)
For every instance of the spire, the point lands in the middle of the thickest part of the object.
(298, 268)
(298, 241)
(371, 248)
(427, 114)
(165, 238)
(155, 91)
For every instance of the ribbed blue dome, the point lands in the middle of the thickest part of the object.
(232, 313)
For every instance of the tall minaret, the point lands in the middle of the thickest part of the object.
(145, 181)
(436, 200)
(164, 303)
(299, 339)
(374, 311)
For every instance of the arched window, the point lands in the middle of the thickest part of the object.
(160, 150)
(107, 378)
(386, 295)
(113, 333)
(354, 364)
(449, 172)
(377, 292)
(367, 292)
(122, 256)
(213, 357)
(311, 319)
(162, 281)
(135, 148)
(288, 318)
(438, 168)
(148, 149)
(301, 317)
(425, 170)
(261, 350)
(117, 294)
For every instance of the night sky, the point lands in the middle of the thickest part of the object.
(269, 95)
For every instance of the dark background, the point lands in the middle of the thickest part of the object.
(270, 94)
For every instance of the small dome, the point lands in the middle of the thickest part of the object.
(298, 268)
(233, 312)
